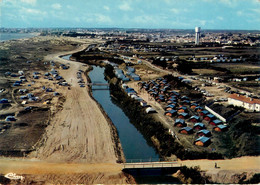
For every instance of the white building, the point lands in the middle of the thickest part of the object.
(244, 101)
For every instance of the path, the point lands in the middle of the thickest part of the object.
(246, 163)
(79, 132)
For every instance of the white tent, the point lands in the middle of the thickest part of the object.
(150, 110)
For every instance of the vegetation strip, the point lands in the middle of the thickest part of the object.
(153, 131)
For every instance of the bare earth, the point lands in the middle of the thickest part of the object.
(229, 170)
(79, 132)
(42, 172)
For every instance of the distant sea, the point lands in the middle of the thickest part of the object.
(13, 36)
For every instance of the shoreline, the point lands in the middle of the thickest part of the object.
(34, 34)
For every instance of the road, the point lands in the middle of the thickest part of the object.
(80, 131)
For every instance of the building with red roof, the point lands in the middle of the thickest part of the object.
(248, 103)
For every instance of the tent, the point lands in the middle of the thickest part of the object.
(150, 110)
(202, 141)
(10, 118)
(4, 100)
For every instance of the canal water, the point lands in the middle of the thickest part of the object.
(133, 143)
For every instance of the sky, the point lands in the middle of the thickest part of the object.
(165, 14)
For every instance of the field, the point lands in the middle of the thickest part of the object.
(19, 138)
(240, 68)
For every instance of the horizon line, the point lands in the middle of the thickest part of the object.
(216, 29)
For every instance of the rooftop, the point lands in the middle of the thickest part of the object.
(244, 99)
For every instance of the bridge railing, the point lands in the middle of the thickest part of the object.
(147, 160)
(152, 165)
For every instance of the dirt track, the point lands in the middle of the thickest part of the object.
(79, 132)
(242, 163)
(229, 170)
(64, 173)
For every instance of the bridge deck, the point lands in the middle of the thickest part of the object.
(151, 165)
(98, 84)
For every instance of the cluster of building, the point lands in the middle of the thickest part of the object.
(217, 58)
(124, 76)
(181, 109)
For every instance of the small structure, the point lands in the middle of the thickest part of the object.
(185, 102)
(3, 100)
(130, 90)
(170, 107)
(209, 117)
(199, 126)
(150, 110)
(16, 84)
(143, 103)
(30, 95)
(182, 109)
(21, 73)
(183, 115)
(220, 128)
(215, 122)
(194, 119)
(23, 91)
(199, 109)
(202, 141)
(204, 132)
(186, 130)
(193, 105)
(170, 113)
(203, 112)
(180, 123)
(56, 94)
(10, 118)
(23, 97)
(24, 102)
(49, 90)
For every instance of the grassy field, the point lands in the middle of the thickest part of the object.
(207, 72)
(240, 68)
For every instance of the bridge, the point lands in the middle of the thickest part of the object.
(99, 86)
(151, 168)
(172, 164)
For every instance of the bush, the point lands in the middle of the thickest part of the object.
(254, 180)
(194, 174)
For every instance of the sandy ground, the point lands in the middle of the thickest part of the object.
(229, 170)
(79, 132)
(242, 163)
(64, 173)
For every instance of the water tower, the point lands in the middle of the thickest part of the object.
(197, 35)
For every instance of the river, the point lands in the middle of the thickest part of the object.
(133, 143)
